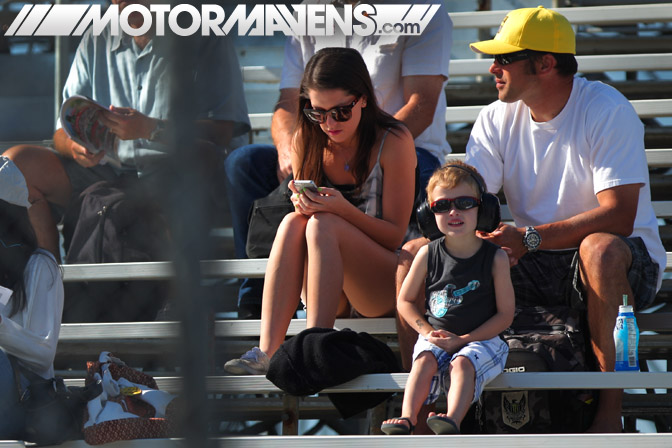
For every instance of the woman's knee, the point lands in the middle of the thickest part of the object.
(293, 224)
(323, 226)
(410, 248)
(44, 173)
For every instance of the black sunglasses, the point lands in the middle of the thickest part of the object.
(340, 113)
(461, 203)
(510, 58)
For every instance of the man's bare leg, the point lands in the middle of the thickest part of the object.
(605, 260)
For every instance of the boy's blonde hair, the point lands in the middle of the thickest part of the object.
(448, 176)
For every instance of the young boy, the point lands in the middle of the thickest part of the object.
(469, 302)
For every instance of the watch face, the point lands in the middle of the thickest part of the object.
(532, 240)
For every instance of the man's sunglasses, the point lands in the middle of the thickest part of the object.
(340, 113)
(461, 203)
(510, 58)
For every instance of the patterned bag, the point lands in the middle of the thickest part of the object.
(541, 339)
(147, 425)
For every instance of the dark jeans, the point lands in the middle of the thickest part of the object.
(250, 175)
(13, 416)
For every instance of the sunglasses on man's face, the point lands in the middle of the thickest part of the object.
(340, 113)
(461, 203)
(510, 58)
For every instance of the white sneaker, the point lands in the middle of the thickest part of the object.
(254, 362)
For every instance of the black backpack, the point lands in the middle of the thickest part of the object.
(113, 222)
(541, 339)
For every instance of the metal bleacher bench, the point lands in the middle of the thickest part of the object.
(96, 335)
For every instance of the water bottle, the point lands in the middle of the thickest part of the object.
(626, 338)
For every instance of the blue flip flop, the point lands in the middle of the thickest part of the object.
(398, 429)
(442, 425)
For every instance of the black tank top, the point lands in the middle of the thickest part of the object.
(459, 293)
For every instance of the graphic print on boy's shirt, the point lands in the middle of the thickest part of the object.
(439, 301)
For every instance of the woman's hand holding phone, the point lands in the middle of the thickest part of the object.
(309, 199)
(302, 185)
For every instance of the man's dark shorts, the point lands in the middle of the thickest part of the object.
(547, 278)
(81, 178)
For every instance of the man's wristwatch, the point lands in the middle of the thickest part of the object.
(532, 239)
(158, 130)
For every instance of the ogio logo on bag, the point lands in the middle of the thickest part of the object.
(515, 369)
(515, 409)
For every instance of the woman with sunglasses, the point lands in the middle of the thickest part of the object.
(31, 300)
(469, 301)
(337, 252)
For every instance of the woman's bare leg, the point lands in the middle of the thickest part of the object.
(47, 182)
(284, 280)
(342, 258)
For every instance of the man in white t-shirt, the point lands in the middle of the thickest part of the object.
(569, 156)
(409, 74)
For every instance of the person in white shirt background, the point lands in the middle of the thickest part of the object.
(31, 299)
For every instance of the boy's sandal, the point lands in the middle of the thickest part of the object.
(442, 425)
(398, 429)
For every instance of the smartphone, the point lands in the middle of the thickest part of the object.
(305, 184)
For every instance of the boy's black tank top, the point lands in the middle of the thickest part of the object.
(459, 293)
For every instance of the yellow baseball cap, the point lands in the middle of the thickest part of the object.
(537, 29)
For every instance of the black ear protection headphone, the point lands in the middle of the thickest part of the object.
(489, 215)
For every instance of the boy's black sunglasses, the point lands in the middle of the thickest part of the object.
(510, 58)
(461, 203)
(340, 113)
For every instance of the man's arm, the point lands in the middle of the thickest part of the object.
(282, 127)
(421, 94)
(130, 124)
(615, 214)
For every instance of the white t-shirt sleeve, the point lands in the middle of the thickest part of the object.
(483, 149)
(292, 65)
(429, 52)
(617, 141)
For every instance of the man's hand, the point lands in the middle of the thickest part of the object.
(284, 164)
(127, 123)
(509, 238)
(69, 148)
(82, 156)
(282, 127)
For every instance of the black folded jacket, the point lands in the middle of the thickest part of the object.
(319, 358)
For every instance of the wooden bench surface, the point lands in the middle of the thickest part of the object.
(480, 67)
(585, 15)
(467, 114)
(373, 441)
(395, 382)
(163, 270)
(462, 441)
